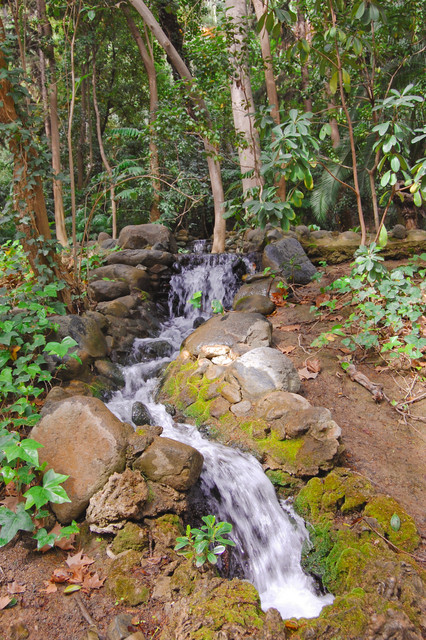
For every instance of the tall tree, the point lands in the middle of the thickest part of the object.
(211, 148)
(242, 96)
(53, 129)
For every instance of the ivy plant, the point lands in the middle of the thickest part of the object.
(205, 544)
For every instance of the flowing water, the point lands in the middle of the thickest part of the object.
(269, 536)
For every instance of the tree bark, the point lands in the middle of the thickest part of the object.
(61, 233)
(102, 149)
(148, 61)
(210, 149)
(242, 97)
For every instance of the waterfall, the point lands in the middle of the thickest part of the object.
(268, 535)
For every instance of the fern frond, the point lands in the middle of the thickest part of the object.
(324, 196)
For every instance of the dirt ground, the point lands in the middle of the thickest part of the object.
(380, 444)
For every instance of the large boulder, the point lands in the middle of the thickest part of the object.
(102, 290)
(136, 279)
(169, 462)
(255, 304)
(262, 370)
(85, 331)
(240, 331)
(145, 257)
(139, 236)
(288, 258)
(121, 499)
(84, 440)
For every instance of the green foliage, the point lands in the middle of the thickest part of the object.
(205, 544)
(196, 299)
(389, 306)
(24, 323)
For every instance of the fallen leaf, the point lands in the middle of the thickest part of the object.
(314, 365)
(289, 624)
(289, 327)
(305, 374)
(4, 601)
(50, 587)
(66, 544)
(277, 299)
(11, 502)
(345, 350)
(321, 298)
(287, 349)
(79, 560)
(14, 587)
(71, 588)
(93, 582)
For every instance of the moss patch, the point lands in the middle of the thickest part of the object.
(382, 508)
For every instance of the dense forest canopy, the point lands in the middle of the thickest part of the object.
(122, 113)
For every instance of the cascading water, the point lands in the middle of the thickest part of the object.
(269, 536)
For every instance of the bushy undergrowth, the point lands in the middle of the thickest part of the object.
(25, 306)
(389, 306)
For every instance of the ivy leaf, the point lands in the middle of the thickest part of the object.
(13, 522)
(25, 450)
(51, 491)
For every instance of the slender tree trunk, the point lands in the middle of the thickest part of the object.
(210, 149)
(148, 61)
(82, 133)
(46, 30)
(271, 86)
(303, 31)
(242, 97)
(102, 149)
(350, 132)
(28, 197)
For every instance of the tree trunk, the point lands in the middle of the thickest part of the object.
(210, 149)
(242, 97)
(148, 61)
(28, 197)
(303, 31)
(46, 30)
(102, 149)
(271, 85)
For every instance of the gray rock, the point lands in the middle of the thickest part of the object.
(111, 371)
(136, 278)
(255, 304)
(145, 257)
(81, 438)
(287, 257)
(219, 407)
(399, 232)
(85, 331)
(109, 244)
(152, 350)
(169, 462)
(141, 414)
(320, 233)
(262, 370)
(303, 231)
(280, 404)
(240, 331)
(121, 499)
(102, 236)
(119, 627)
(254, 240)
(101, 290)
(144, 235)
(241, 408)
(231, 392)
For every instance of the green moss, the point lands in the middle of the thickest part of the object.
(382, 508)
(132, 536)
(283, 451)
(130, 591)
(232, 602)
(199, 411)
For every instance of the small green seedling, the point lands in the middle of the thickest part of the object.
(205, 544)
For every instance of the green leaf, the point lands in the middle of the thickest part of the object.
(346, 79)
(24, 450)
(71, 588)
(383, 237)
(334, 81)
(395, 522)
(360, 11)
(51, 491)
(417, 199)
(13, 522)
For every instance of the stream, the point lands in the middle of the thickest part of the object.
(269, 535)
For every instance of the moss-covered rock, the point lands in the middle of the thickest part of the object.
(132, 536)
(214, 605)
(382, 508)
(123, 581)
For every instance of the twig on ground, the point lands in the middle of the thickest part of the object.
(86, 615)
(392, 545)
(375, 389)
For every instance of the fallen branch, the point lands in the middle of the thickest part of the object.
(375, 389)
(392, 545)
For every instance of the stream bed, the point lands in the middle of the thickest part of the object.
(269, 536)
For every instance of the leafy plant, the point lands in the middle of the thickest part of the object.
(24, 324)
(196, 299)
(205, 544)
(389, 316)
